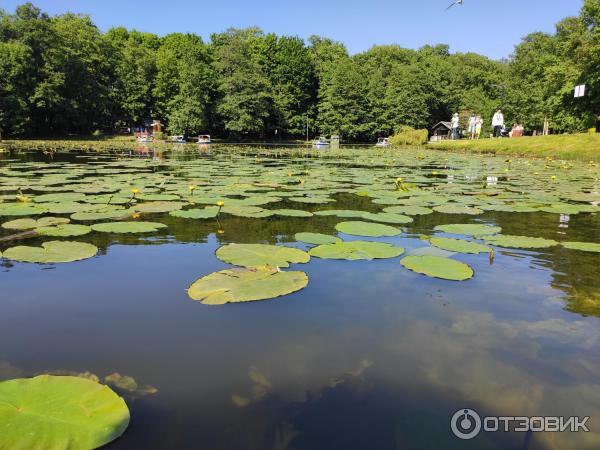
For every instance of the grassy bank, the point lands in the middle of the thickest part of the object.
(583, 147)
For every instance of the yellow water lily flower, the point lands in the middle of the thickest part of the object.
(135, 191)
(135, 215)
(220, 203)
(220, 231)
(192, 187)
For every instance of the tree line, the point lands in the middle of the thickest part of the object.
(61, 74)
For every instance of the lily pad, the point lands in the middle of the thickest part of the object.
(468, 229)
(210, 212)
(158, 207)
(458, 245)
(245, 285)
(292, 213)
(438, 267)
(30, 224)
(355, 250)
(64, 230)
(511, 241)
(128, 227)
(52, 252)
(59, 412)
(583, 246)
(21, 210)
(255, 255)
(316, 238)
(387, 217)
(409, 210)
(358, 228)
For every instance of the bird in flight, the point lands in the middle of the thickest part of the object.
(457, 2)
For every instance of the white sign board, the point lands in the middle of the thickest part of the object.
(580, 91)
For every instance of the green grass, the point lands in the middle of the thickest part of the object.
(583, 147)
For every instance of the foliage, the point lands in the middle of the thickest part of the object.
(409, 136)
(61, 75)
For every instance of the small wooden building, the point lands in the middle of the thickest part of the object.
(441, 131)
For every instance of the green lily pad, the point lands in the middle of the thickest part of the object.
(468, 229)
(458, 245)
(316, 238)
(64, 230)
(358, 228)
(210, 212)
(128, 227)
(292, 213)
(438, 267)
(355, 250)
(388, 217)
(158, 207)
(510, 241)
(583, 246)
(254, 212)
(59, 198)
(59, 412)
(25, 209)
(52, 252)
(409, 210)
(30, 224)
(104, 214)
(246, 285)
(255, 255)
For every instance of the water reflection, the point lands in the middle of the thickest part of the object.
(370, 356)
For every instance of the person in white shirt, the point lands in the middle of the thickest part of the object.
(455, 124)
(498, 123)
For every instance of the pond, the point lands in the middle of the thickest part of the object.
(366, 352)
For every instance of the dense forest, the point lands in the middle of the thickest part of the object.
(61, 75)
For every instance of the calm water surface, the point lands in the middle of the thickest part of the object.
(368, 356)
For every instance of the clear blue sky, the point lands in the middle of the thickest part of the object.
(489, 27)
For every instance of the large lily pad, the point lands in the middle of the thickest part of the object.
(210, 212)
(30, 224)
(158, 207)
(316, 238)
(438, 267)
(388, 217)
(52, 252)
(359, 228)
(128, 227)
(245, 285)
(59, 412)
(255, 255)
(64, 230)
(468, 229)
(458, 245)
(356, 250)
(511, 241)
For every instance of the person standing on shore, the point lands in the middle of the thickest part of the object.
(472, 125)
(478, 126)
(498, 123)
(455, 124)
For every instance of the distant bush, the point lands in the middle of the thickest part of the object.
(409, 136)
(159, 136)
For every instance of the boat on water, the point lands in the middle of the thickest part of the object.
(204, 139)
(177, 139)
(144, 139)
(383, 142)
(321, 142)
